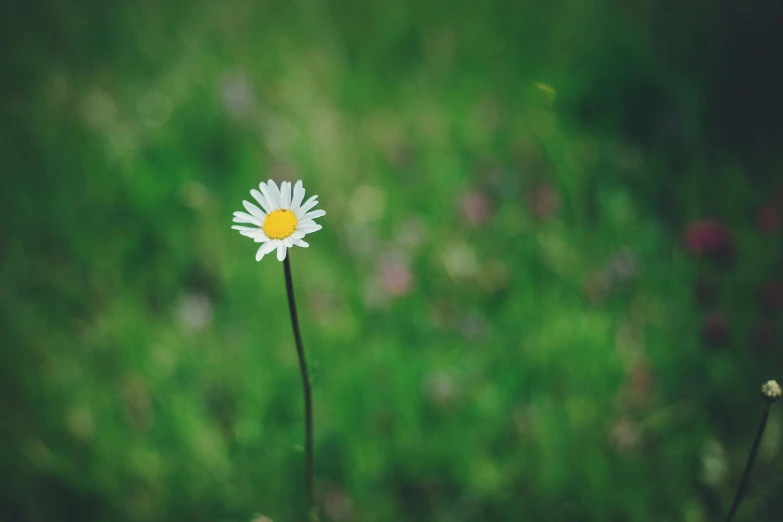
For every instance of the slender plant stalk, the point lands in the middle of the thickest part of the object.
(308, 399)
(743, 485)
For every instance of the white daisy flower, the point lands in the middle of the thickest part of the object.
(283, 219)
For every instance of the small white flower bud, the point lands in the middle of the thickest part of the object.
(771, 390)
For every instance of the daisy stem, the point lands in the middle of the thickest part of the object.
(308, 400)
(743, 485)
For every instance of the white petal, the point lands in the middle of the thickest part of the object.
(252, 232)
(274, 190)
(281, 251)
(298, 234)
(270, 195)
(265, 249)
(285, 194)
(288, 242)
(254, 210)
(299, 194)
(314, 214)
(254, 235)
(309, 228)
(310, 203)
(261, 200)
(241, 217)
(246, 229)
(300, 243)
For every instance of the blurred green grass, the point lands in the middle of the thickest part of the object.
(498, 310)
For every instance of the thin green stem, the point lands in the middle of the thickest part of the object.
(308, 399)
(743, 485)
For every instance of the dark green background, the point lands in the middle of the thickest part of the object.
(544, 359)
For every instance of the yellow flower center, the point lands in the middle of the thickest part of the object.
(280, 224)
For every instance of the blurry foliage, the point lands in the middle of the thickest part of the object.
(503, 319)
